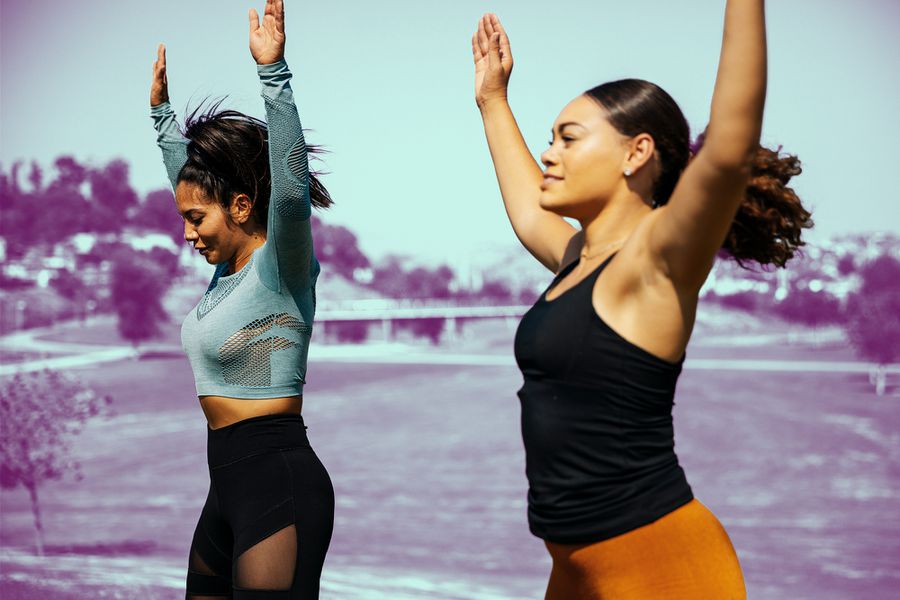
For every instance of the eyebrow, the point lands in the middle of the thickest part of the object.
(566, 124)
(190, 210)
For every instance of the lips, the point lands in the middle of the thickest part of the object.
(549, 180)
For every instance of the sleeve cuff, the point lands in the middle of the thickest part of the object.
(274, 68)
(161, 109)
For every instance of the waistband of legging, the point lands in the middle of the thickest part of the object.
(256, 435)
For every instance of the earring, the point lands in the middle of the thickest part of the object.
(627, 172)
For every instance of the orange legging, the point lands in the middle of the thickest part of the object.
(685, 554)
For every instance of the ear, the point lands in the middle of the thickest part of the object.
(241, 208)
(639, 151)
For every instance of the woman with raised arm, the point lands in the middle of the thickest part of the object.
(244, 190)
(602, 348)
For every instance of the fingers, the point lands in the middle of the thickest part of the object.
(505, 51)
(494, 51)
(279, 16)
(159, 65)
(488, 24)
(476, 50)
(482, 37)
(254, 20)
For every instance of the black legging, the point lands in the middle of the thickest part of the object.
(267, 521)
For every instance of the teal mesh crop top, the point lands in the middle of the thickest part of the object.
(248, 337)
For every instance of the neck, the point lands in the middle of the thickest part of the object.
(614, 223)
(242, 256)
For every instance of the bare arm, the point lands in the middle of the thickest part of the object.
(543, 233)
(687, 233)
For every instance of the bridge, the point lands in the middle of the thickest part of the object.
(387, 312)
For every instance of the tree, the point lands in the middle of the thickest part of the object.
(421, 283)
(430, 328)
(72, 288)
(352, 332)
(873, 315)
(802, 305)
(337, 246)
(112, 196)
(496, 291)
(158, 213)
(137, 290)
(40, 412)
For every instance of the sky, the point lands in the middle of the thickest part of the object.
(387, 87)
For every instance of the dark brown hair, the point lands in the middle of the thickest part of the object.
(228, 154)
(771, 218)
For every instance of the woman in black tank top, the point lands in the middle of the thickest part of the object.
(601, 350)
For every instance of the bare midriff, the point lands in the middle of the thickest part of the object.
(221, 411)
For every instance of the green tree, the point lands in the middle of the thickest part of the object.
(40, 413)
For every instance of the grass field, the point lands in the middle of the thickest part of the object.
(428, 468)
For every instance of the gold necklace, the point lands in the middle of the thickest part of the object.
(585, 256)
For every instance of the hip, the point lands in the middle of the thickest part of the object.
(264, 462)
(684, 554)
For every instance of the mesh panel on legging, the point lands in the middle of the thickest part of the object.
(268, 565)
(204, 583)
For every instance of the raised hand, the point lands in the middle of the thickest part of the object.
(159, 87)
(267, 40)
(493, 60)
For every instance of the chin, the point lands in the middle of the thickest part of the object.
(551, 204)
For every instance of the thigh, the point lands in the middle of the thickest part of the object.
(280, 506)
(313, 497)
(209, 562)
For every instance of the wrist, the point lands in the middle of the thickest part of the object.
(492, 102)
(263, 61)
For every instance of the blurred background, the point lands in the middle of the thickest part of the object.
(787, 412)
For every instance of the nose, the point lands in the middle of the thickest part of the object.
(548, 158)
(190, 235)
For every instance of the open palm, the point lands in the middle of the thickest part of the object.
(267, 40)
(493, 59)
(159, 86)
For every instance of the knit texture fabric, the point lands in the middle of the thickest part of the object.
(248, 336)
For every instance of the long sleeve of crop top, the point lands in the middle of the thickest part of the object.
(169, 140)
(287, 256)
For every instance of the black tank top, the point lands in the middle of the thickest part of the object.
(596, 422)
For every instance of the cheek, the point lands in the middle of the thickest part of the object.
(213, 229)
(590, 173)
